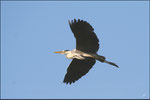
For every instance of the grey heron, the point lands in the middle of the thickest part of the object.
(85, 54)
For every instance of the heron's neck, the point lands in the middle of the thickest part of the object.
(67, 52)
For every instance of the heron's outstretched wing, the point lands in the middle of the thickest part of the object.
(86, 39)
(77, 69)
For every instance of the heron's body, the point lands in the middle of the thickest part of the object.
(77, 54)
(82, 56)
(85, 54)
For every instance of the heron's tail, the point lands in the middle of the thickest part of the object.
(102, 59)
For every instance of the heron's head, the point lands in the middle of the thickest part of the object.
(62, 52)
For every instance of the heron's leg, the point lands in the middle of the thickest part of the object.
(99, 58)
(111, 63)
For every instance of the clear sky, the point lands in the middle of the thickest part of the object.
(33, 30)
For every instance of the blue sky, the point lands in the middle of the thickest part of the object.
(33, 30)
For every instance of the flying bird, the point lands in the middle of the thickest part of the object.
(85, 54)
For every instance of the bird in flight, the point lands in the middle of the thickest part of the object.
(85, 54)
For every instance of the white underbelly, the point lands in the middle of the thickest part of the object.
(81, 56)
(69, 56)
(74, 55)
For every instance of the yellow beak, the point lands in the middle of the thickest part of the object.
(59, 52)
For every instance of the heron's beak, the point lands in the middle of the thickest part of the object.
(61, 52)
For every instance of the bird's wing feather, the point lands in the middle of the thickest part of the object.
(77, 69)
(86, 39)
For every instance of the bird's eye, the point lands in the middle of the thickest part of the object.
(66, 50)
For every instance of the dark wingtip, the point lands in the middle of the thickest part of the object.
(68, 82)
(74, 20)
(78, 20)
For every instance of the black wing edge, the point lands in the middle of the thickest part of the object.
(86, 39)
(77, 69)
(78, 21)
